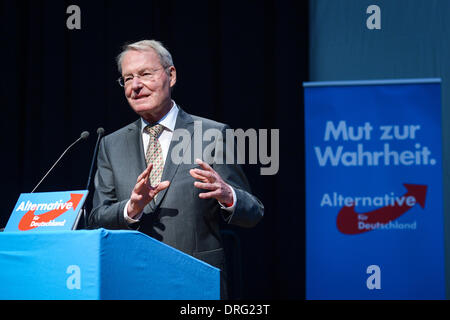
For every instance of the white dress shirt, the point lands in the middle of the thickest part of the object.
(168, 121)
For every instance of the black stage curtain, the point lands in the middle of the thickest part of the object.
(238, 62)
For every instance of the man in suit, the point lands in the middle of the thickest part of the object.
(141, 182)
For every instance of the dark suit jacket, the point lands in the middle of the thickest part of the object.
(178, 217)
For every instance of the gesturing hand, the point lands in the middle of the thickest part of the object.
(143, 192)
(211, 180)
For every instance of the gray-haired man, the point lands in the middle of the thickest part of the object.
(139, 186)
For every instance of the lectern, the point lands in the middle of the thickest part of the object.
(100, 265)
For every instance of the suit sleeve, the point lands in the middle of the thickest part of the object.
(107, 211)
(249, 209)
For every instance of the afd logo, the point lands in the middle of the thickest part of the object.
(350, 222)
(30, 220)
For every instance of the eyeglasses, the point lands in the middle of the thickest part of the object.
(146, 75)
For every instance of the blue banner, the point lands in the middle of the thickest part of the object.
(374, 212)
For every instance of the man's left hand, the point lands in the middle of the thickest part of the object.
(211, 180)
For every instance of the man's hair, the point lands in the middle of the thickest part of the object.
(165, 58)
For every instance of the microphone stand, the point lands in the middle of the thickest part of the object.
(84, 135)
(100, 132)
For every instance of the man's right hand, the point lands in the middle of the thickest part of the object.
(143, 192)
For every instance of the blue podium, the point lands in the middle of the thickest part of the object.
(100, 265)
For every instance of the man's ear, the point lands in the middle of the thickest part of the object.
(172, 76)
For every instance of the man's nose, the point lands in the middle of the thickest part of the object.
(136, 84)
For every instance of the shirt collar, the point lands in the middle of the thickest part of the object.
(168, 121)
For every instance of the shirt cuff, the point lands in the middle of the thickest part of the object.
(127, 218)
(233, 206)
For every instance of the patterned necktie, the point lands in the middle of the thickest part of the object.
(154, 153)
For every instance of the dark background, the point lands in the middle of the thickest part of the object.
(238, 62)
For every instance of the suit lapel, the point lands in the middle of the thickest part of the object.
(135, 147)
(184, 121)
(136, 153)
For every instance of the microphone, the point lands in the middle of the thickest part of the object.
(83, 136)
(100, 132)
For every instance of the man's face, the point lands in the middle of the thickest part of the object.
(148, 93)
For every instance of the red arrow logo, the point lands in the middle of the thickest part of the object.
(25, 222)
(347, 219)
